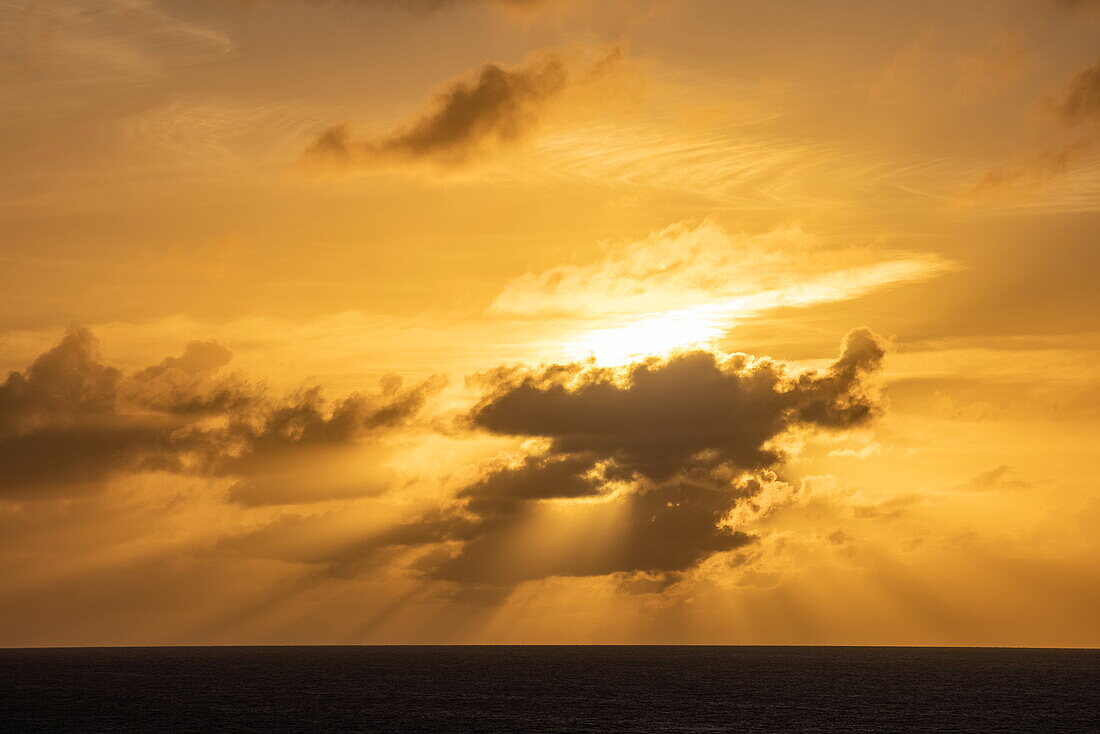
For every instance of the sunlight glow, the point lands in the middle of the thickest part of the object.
(702, 325)
(696, 327)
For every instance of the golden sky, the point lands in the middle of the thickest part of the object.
(549, 321)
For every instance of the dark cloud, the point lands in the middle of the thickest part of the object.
(538, 477)
(60, 430)
(678, 437)
(69, 421)
(655, 454)
(468, 118)
(67, 460)
(662, 417)
(66, 383)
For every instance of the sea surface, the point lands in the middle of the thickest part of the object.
(549, 689)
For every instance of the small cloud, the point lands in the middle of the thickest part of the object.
(468, 119)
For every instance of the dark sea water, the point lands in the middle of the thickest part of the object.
(555, 689)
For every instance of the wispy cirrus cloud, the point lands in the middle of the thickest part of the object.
(689, 264)
(686, 286)
(57, 55)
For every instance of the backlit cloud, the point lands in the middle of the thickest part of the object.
(657, 454)
(69, 421)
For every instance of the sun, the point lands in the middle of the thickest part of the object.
(655, 334)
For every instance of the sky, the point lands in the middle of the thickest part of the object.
(549, 321)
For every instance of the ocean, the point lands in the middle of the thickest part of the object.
(549, 689)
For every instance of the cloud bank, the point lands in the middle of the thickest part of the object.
(633, 472)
